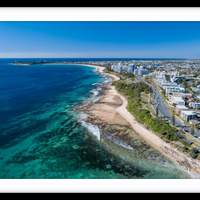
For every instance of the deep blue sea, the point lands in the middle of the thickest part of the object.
(41, 136)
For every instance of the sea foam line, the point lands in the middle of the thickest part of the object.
(94, 129)
(116, 140)
(95, 97)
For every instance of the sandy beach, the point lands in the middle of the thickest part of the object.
(111, 108)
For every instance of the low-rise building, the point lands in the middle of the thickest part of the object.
(177, 100)
(196, 89)
(188, 114)
(194, 104)
(170, 89)
(179, 108)
(183, 95)
(169, 84)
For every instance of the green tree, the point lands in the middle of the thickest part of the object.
(167, 78)
(193, 153)
(173, 114)
(185, 84)
(174, 104)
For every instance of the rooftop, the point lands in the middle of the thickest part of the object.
(188, 112)
(177, 98)
(181, 107)
(194, 103)
(190, 100)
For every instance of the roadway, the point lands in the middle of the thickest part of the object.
(162, 108)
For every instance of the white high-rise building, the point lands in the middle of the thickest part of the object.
(131, 68)
(136, 71)
(142, 71)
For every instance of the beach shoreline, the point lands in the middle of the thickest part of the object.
(191, 166)
(119, 114)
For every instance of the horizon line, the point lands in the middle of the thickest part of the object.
(92, 58)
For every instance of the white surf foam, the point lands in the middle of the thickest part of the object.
(93, 129)
(83, 116)
(95, 94)
(118, 141)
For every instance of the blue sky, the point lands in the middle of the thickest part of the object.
(100, 39)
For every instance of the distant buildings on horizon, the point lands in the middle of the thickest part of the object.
(130, 68)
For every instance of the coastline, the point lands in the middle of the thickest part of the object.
(191, 166)
(118, 113)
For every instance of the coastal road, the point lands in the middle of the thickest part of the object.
(162, 108)
(188, 130)
(163, 111)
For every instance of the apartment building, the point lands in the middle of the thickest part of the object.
(194, 105)
(177, 100)
(188, 114)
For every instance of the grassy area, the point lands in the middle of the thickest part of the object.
(148, 80)
(149, 107)
(196, 142)
(144, 97)
(148, 98)
(138, 92)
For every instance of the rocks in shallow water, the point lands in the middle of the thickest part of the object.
(108, 166)
(75, 146)
(120, 127)
(97, 122)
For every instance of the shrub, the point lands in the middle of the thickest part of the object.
(163, 132)
(132, 92)
(193, 153)
(172, 136)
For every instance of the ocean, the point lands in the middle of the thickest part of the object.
(42, 135)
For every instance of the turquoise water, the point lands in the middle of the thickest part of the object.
(42, 136)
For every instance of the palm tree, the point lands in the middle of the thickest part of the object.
(173, 114)
(157, 111)
(173, 118)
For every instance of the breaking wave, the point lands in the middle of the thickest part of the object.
(93, 129)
